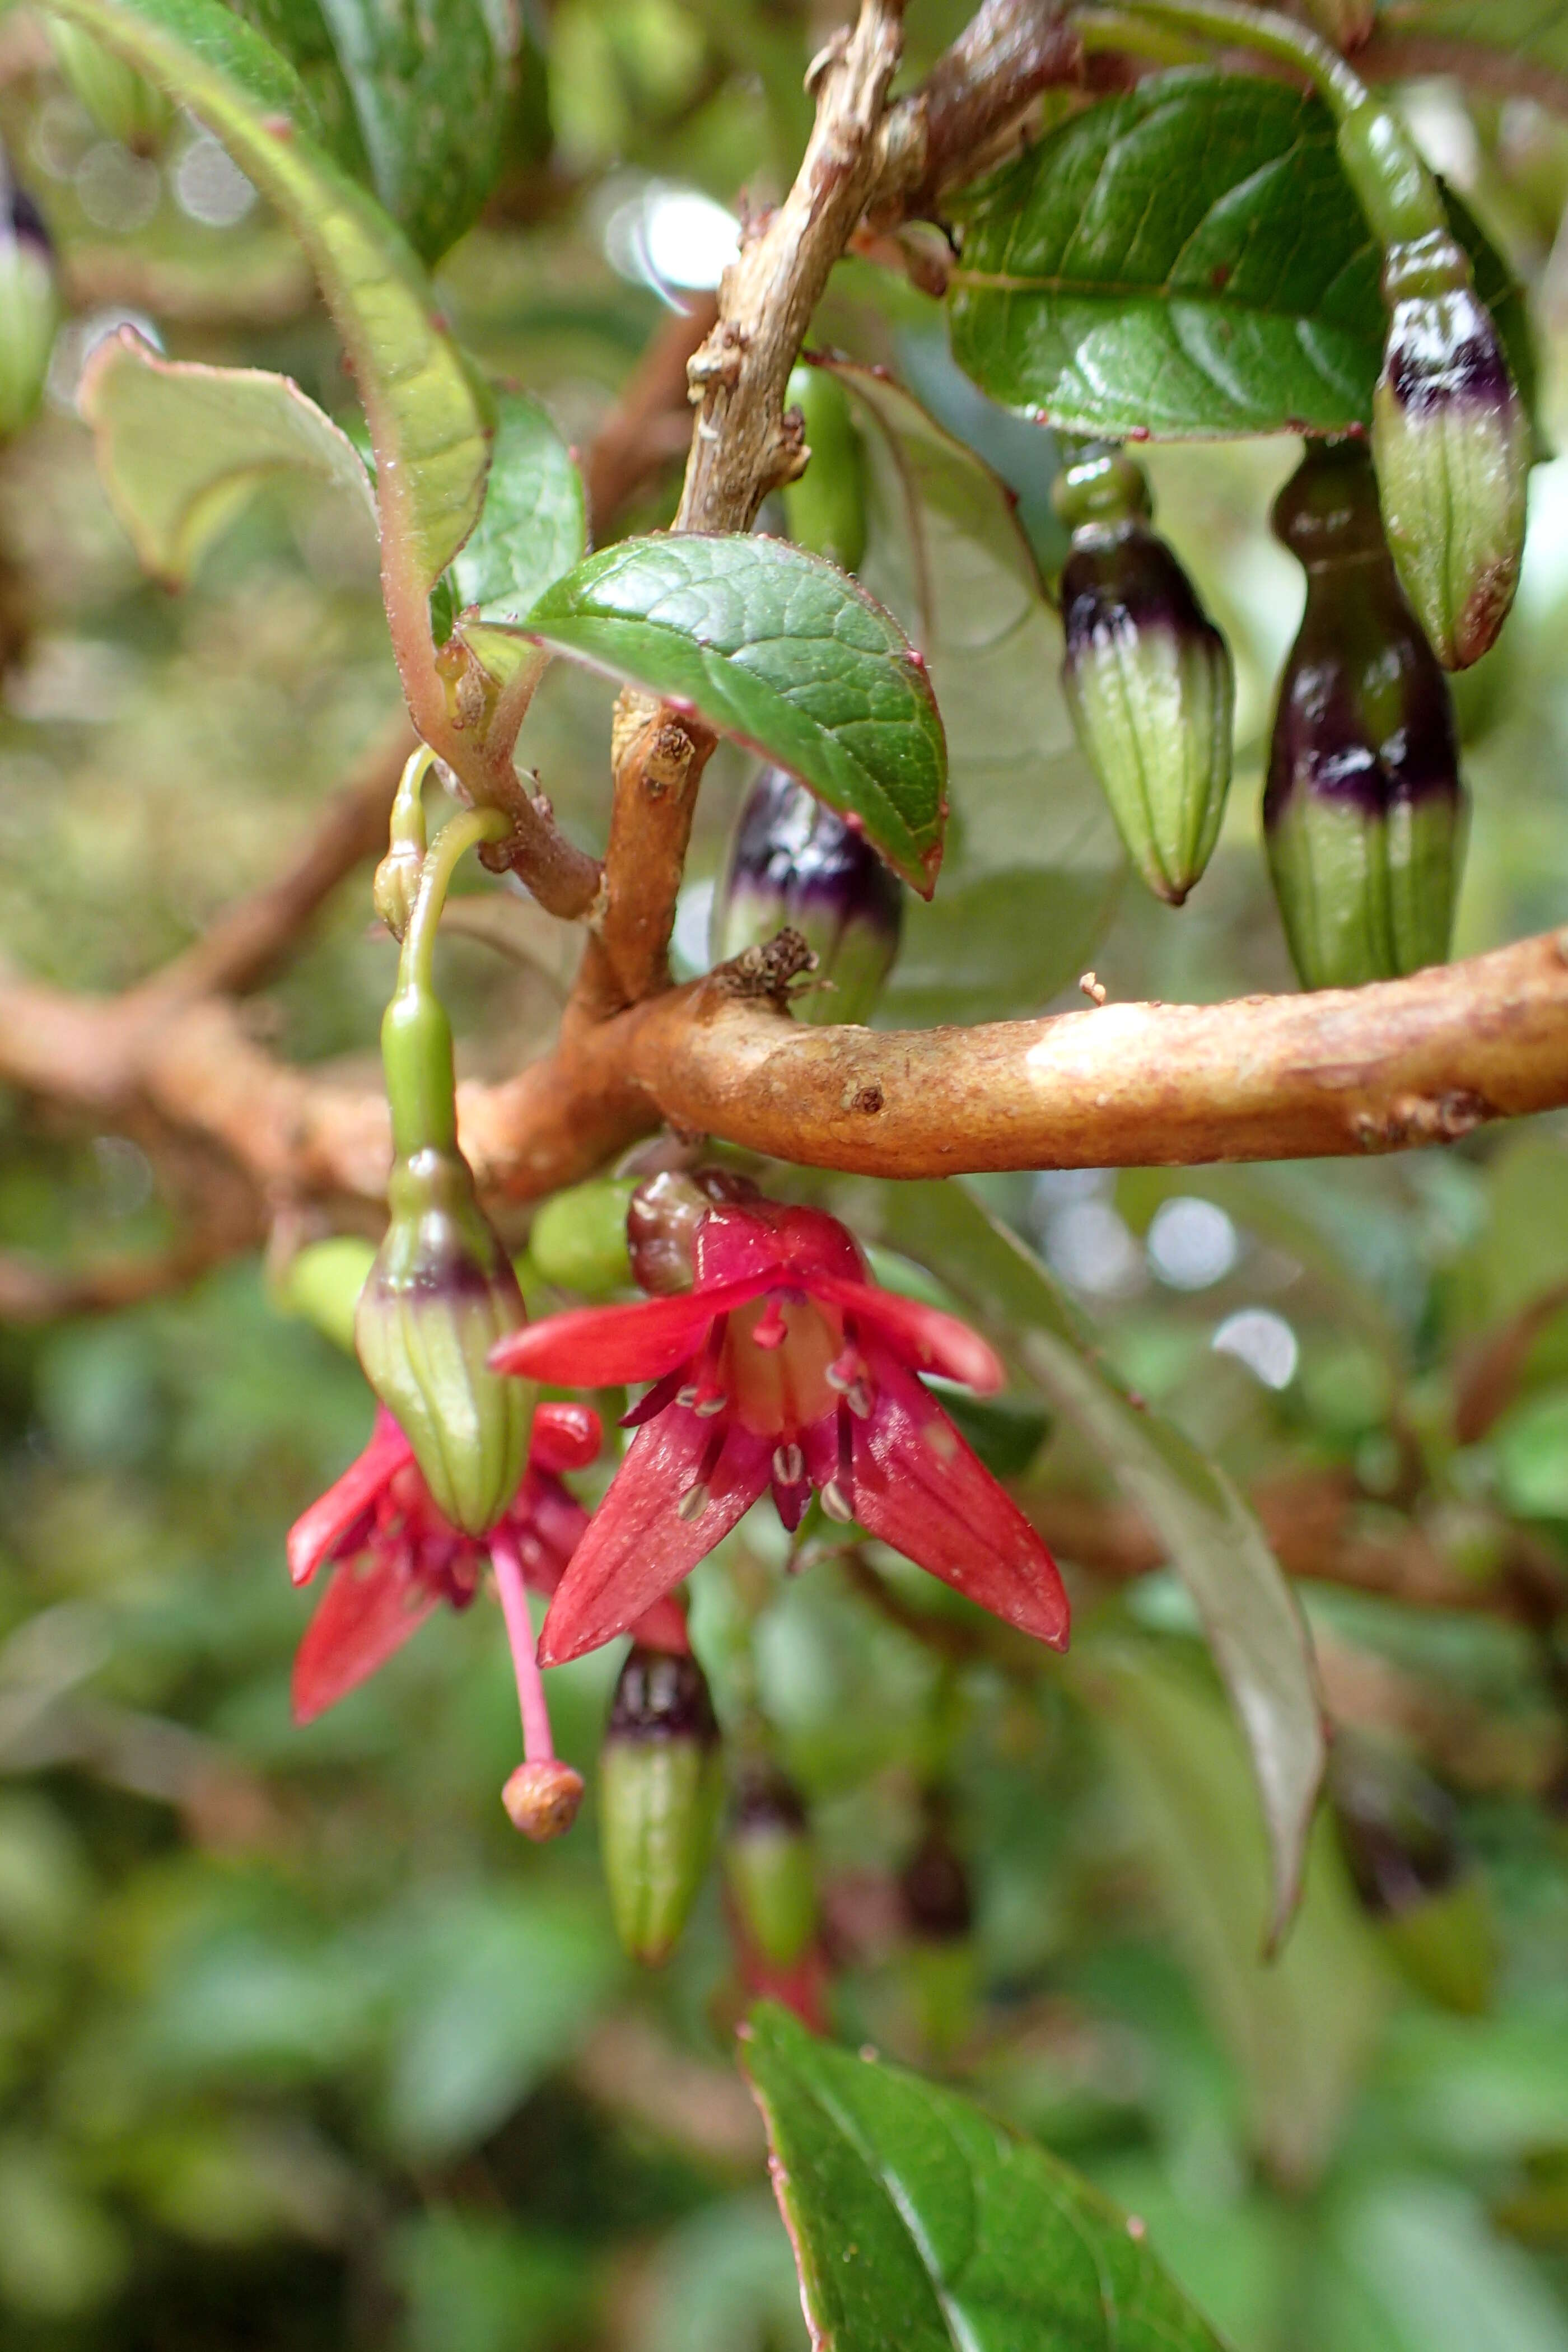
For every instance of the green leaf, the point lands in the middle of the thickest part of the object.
(1301, 2027)
(1033, 866)
(1534, 29)
(428, 411)
(919, 2222)
(1412, 2264)
(181, 447)
(1186, 259)
(1250, 1615)
(533, 528)
(779, 649)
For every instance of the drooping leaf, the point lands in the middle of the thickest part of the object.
(1033, 864)
(426, 410)
(1249, 1611)
(533, 528)
(1300, 2026)
(780, 650)
(181, 447)
(920, 2222)
(1186, 259)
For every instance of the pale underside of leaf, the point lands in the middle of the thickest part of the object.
(1250, 1615)
(181, 447)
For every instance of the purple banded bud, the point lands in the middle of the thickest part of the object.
(1398, 1831)
(578, 1239)
(826, 506)
(123, 103)
(440, 1293)
(661, 1783)
(769, 1867)
(1148, 676)
(29, 305)
(794, 864)
(1364, 810)
(939, 1912)
(662, 1218)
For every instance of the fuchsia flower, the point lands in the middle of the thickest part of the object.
(784, 1366)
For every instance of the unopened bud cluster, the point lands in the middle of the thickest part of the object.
(794, 865)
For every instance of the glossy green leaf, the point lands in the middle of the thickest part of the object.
(181, 447)
(780, 650)
(534, 526)
(1302, 2026)
(1186, 259)
(1217, 1548)
(426, 411)
(922, 2224)
(1033, 866)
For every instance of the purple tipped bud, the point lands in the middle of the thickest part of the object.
(1399, 1834)
(794, 864)
(660, 1790)
(29, 305)
(769, 1865)
(939, 1909)
(662, 1218)
(1148, 676)
(439, 1294)
(1363, 809)
(1451, 442)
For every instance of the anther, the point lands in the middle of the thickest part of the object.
(688, 1395)
(693, 1503)
(710, 1405)
(789, 1464)
(835, 1503)
(858, 1397)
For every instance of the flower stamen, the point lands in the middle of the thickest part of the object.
(789, 1464)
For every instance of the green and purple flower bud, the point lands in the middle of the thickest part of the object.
(825, 507)
(442, 1291)
(1449, 434)
(769, 1867)
(29, 305)
(794, 865)
(1364, 811)
(939, 1912)
(1148, 676)
(660, 1785)
(1398, 1831)
(123, 103)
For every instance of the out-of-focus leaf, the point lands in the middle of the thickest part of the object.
(1531, 1444)
(181, 447)
(426, 411)
(1250, 1615)
(1472, 2094)
(475, 2282)
(1187, 260)
(723, 2283)
(533, 528)
(780, 650)
(59, 2252)
(1033, 866)
(1524, 29)
(1412, 2266)
(1302, 2026)
(919, 2220)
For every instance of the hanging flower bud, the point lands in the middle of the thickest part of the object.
(578, 1239)
(769, 1867)
(1398, 1831)
(662, 1218)
(442, 1291)
(793, 864)
(1449, 434)
(397, 884)
(1148, 676)
(1363, 812)
(659, 1787)
(29, 305)
(826, 506)
(938, 1912)
(123, 103)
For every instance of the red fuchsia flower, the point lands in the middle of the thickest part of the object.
(783, 1365)
(394, 1558)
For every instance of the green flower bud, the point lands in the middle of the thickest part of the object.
(793, 864)
(826, 508)
(322, 1282)
(579, 1238)
(1364, 811)
(29, 307)
(439, 1294)
(123, 103)
(397, 885)
(939, 1914)
(770, 1868)
(660, 1790)
(1147, 676)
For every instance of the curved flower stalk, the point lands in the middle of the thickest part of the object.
(394, 1558)
(783, 1368)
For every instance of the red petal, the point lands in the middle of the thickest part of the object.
(918, 1487)
(598, 1346)
(368, 1611)
(637, 1548)
(565, 1437)
(319, 1533)
(918, 1335)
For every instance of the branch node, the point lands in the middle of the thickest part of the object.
(766, 973)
